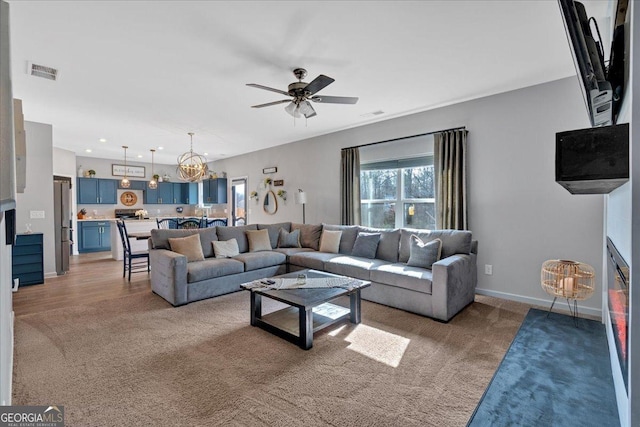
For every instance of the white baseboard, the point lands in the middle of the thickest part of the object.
(50, 275)
(539, 302)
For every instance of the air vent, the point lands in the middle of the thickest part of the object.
(373, 113)
(43, 71)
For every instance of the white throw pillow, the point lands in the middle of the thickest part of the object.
(258, 240)
(225, 248)
(330, 241)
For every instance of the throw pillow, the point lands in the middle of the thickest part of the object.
(225, 248)
(187, 246)
(330, 241)
(423, 254)
(289, 240)
(258, 240)
(366, 245)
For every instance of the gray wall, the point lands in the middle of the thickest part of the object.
(38, 194)
(520, 216)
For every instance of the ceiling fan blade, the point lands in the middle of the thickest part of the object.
(268, 88)
(268, 104)
(318, 84)
(334, 99)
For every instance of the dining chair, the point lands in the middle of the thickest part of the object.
(188, 223)
(167, 223)
(212, 222)
(141, 257)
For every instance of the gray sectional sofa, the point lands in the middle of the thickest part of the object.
(440, 292)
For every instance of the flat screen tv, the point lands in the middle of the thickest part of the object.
(589, 61)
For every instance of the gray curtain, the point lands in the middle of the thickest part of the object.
(449, 158)
(350, 187)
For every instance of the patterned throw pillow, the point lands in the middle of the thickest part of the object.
(330, 241)
(258, 240)
(366, 245)
(226, 248)
(187, 246)
(289, 240)
(424, 254)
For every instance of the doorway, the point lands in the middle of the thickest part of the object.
(239, 201)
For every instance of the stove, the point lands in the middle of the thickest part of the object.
(126, 213)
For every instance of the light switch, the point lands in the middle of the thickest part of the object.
(36, 214)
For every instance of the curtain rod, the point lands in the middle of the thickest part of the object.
(404, 137)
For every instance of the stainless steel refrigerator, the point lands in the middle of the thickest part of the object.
(62, 223)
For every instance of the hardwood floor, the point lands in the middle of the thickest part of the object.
(91, 277)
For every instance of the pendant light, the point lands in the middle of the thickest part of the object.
(192, 167)
(125, 183)
(153, 184)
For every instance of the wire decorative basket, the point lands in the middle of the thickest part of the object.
(568, 279)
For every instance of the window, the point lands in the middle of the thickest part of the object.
(398, 193)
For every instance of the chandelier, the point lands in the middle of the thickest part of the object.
(125, 183)
(153, 184)
(192, 167)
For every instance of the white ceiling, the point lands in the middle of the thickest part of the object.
(144, 73)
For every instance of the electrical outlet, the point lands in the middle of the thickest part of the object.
(488, 269)
(36, 214)
(225, 211)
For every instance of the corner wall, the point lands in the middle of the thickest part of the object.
(38, 193)
(519, 215)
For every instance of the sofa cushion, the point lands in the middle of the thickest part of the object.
(288, 240)
(273, 230)
(211, 268)
(238, 233)
(403, 276)
(366, 245)
(330, 241)
(453, 241)
(188, 246)
(314, 260)
(348, 265)
(257, 260)
(424, 254)
(309, 235)
(160, 238)
(389, 244)
(226, 248)
(292, 251)
(258, 240)
(349, 235)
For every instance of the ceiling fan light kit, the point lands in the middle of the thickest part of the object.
(192, 167)
(301, 92)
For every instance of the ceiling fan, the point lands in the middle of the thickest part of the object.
(302, 93)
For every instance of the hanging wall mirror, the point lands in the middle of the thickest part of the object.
(270, 203)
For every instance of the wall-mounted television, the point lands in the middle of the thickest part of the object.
(601, 84)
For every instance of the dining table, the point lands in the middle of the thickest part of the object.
(140, 236)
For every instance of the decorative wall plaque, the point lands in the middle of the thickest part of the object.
(128, 198)
(278, 182)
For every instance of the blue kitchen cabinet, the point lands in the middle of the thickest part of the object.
(94, 236)
(135, 185)
(185, 192)
(163, 195)
(97, 191)
(214, 191)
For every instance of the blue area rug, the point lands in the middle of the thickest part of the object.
(554, 374)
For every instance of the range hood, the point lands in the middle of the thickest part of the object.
(593, 160)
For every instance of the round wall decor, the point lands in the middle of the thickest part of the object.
(128, 198)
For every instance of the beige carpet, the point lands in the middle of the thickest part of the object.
(137, 361)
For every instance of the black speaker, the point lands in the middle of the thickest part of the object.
(593, 160)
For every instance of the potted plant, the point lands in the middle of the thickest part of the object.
(282, 194)
(156, 177)
(91, 173)
(267, 182)
(82, 213)
(254, 196)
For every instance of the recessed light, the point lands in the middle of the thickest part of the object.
(102, 140)
(139, 156)
(88, 150)
(160, 148)
(206, 154)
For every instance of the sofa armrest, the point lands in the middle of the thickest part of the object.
(169, 275)
(453, 285)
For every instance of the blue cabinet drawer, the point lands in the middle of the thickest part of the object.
(30, 278)
(28, 239)
(27, 259)
(27, 250)
(21, 269)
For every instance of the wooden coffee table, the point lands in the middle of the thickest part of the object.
(310, 309)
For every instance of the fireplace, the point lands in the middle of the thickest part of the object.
(618, 297)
